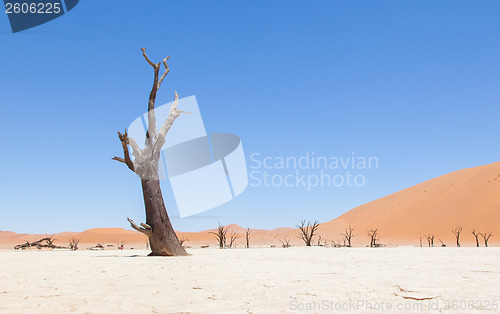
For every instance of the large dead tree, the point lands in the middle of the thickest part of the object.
(162, 238)
(476, 235)
(307, 231)
(457, 232)
(486, 237)
(348, 235)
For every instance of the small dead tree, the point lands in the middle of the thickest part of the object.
(73, 244)
(476, 235)
(442, 243)
(232, 237)
(158, 228)
(319, 241)
(430, 239)
(307, 231)
(220, 235)
(374, 237)
(348, 235)
(247, 237)
(457, 232)
(285, 242)
(182, 240)
(486, 237)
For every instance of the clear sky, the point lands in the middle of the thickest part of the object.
(414, 83)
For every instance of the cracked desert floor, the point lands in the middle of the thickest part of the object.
(258, 280)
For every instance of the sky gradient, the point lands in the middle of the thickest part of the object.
(413, 83)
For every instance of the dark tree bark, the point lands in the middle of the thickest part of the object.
(247, 237)
(162, 238)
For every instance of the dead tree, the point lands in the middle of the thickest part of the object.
(457, 232)
(247, 237)
(232, 237)
(486, 237)
(158, 228)
(285, 242)
(73, 244)
(307, 231)
(476, 235)
(348, 235)
(442, 243)
(319, 241)
(46, 242)
(430, 239)
(220, 235)
(374, 237)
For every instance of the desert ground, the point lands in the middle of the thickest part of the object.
(257, 280)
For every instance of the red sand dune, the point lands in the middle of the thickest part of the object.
(469, 198)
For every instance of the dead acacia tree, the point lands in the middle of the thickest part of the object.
(348, 235)
(476, 235)
(430, 239)
(220, 235)
(247, 237)
(47, 242)
(486, 237)
(73, 244)
(158, 228)
(457, 232)
(319, 241)
(232, 237)
(374, 237)
(285, 242)
(307, 231)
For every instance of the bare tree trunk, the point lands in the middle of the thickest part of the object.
(162, 238)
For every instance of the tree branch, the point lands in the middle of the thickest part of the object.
(174, 114)
(125, 142)
(146, 57)
(146, 229)
(167, 69)
(152, 99)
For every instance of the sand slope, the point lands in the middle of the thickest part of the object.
(469, 198)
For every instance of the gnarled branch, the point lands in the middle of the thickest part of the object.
(173, 114)
(125, 142)
(146, 229)
(167, 69)
(152, 99)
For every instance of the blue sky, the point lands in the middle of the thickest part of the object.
(414, 83)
